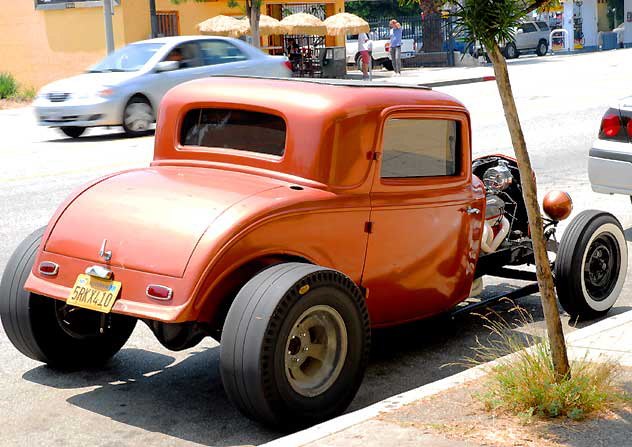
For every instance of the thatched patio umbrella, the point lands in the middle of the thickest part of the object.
(303, 23)
(221, 26)
(345, 23)
(267, 25)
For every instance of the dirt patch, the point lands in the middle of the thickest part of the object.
(457, 414)
(13, 104)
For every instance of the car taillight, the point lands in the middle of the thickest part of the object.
(387, 47)
(48, 268)
(159, 292)
(288, 64)
(414, 46)
(610, 125)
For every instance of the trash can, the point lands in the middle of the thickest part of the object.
(333, 62)
(609, 40)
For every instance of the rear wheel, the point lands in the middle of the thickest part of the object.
(542, 48)
(591, 264)
(48, 330)
(295, 345)
(388, 64)
(73, 131)
(138, 116)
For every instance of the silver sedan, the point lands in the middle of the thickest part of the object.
(125, 88)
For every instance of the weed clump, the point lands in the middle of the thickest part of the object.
(524, 383)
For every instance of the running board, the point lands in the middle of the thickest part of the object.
(518, 293)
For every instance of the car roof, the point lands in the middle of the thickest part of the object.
(179, 39)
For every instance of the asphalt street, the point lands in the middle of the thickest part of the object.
(148, 395)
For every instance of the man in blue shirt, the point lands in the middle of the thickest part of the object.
(396, 46)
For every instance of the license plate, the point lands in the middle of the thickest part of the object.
(94, 293)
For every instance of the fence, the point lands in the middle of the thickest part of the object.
(436, 48)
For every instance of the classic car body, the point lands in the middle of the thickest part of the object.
(288, 218)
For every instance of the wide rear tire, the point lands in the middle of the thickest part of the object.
(591, 264)
(295, 345)
(48, 330)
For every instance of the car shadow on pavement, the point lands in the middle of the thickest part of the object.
(153, 392)
(96, 138)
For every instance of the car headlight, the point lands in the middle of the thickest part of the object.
(99, 92)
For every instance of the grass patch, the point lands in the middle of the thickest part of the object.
(525, 383)
(8, 86)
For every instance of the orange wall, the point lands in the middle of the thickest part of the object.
(40, 46)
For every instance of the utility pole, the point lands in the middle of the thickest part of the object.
(108, 12)
(153, 18)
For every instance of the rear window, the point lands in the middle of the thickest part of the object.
(241, 130)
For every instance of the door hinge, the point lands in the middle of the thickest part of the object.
(368, 227)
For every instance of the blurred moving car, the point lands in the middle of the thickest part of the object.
(529, 37)
(610, 158)
(126, 87)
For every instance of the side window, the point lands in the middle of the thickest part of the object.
(186, 54)
(219, 52)
(543, 26)
(527, 27)
(420, 148)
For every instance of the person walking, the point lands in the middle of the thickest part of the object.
(396, 46)
(363, 48)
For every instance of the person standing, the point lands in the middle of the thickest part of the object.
(396, 46)
(363, 48)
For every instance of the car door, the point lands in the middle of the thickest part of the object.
(190, 67)
(528, 39)
(220, 57)
(426, 217)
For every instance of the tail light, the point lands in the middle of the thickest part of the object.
(414, 46)
(48, 268)
(159, 292)
(387, 47)
(616, 125)
(288, 65)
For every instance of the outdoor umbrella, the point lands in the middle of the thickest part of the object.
(221, 26)
(267, 25)
(302, 23)
(345, 23)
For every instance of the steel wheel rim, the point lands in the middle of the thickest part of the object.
(138, 116)
(76, 322)
(601, 267)
(315, 350)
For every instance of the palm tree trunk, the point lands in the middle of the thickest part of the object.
(254, 13)
(529, 191)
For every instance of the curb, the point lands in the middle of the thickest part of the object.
(459, 81)
(392, 403)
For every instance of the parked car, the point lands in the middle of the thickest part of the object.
(287, 219)
(380, 53)
(125, 88)
(610, 158)
(529, 37)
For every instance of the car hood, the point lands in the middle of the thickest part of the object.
(152, 218)
(89, 80)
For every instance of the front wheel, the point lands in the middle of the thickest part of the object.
(591, 264)
(138, 116)
(511, 52)
(295, 345)
(46, 329)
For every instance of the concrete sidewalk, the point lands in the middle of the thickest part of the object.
(387, 422)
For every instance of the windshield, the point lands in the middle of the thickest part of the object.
(129, 58)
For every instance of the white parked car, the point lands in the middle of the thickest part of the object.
(610, 158)
(380, 53)
(529, 37)
(125, 88)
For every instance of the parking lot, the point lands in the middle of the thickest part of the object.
(148, 395)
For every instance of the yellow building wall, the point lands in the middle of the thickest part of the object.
(40, 46)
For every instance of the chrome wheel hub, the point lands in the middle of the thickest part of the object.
(315, 350)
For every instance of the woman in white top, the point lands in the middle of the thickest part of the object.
(364, 45)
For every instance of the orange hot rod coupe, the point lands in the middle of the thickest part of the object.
(287, 219)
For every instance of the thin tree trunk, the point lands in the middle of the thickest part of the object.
(254, 13)
(529, 191)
